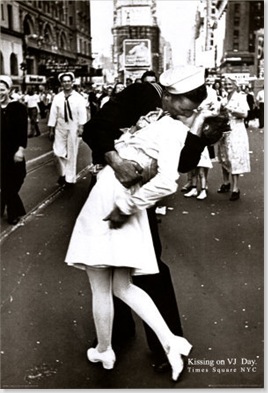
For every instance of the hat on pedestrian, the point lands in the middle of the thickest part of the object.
(182, 79)
(70, 74)
(6, 80)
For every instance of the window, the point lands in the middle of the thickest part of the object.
(236, 34)
(10, 16)
(251, 42)
(235, 46)
(2, 68)
(236, 39)
(236, 21)
(27, 26)
(259, 6)
(47, 7)
(2, 11)
(237, 8)
(14, 64)
(63, 41)
(56, 12)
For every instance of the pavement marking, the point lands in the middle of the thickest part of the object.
(33, 164)
(33, 160)
(47, 201)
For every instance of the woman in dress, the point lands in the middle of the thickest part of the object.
(233, 147)
(111, 239)
(14, 124)
(200, 174)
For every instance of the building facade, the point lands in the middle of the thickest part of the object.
(244, 25)
(230, 38)
(11, 53)
(136, 38)
(40, 39)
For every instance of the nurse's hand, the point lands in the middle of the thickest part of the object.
(117, 218)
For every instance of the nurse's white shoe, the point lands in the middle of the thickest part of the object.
(179, 346)
(107, 358)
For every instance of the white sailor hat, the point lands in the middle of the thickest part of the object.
(71, 74)
(181, 79)
(6, 80)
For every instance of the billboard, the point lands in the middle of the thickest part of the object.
(137, 53)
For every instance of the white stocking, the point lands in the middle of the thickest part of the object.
(141, 303)
(102, 305)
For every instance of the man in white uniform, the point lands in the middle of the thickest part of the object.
(66, 119)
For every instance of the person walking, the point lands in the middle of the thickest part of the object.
(251, 103)
(260, 106)
(233, 147)
(14, 124)
(92, 99)
(67, 115)
(32, 100)
(114, 220)
(46, 99)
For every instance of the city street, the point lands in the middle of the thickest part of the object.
(214, 248)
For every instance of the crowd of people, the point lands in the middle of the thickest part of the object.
(232, 150)
(142, 136)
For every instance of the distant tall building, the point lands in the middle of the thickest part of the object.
(135, 37)
(205, 43)
(243, 35)
(230, 36)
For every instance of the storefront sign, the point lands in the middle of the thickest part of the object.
(56, 68)
(35, 79)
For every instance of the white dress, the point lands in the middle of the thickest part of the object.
(205, 161)
(93, 243)
(233, 147)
